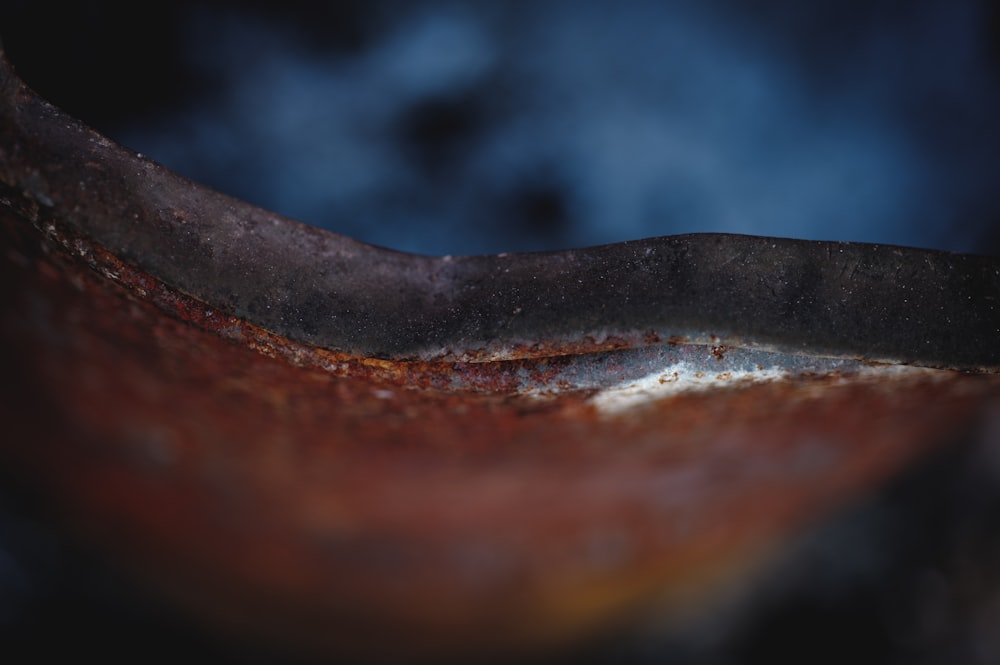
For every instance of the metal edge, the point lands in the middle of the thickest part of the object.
(844, 300)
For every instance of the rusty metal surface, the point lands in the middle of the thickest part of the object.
(348, 450)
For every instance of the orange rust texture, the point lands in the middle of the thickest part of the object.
(347, 504)
(719, 351)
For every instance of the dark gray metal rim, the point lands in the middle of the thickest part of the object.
(846, 300)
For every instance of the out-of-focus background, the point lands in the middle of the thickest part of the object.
(458, 127)
(450, 127)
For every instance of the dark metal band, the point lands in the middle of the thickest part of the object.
(849, 300)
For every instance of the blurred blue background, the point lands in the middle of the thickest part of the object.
(454, 127)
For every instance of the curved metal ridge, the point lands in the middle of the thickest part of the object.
(844, 300)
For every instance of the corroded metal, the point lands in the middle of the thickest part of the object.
(350, 450)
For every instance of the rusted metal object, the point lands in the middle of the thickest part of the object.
(344, 449)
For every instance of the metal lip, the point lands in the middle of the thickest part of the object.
(848, 300)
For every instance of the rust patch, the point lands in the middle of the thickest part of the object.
(249, 478)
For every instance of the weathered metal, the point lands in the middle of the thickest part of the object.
(346, 449)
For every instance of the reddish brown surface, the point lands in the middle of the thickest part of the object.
(345, 504)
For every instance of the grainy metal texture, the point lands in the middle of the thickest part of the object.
(844, 299)
(351, 450)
